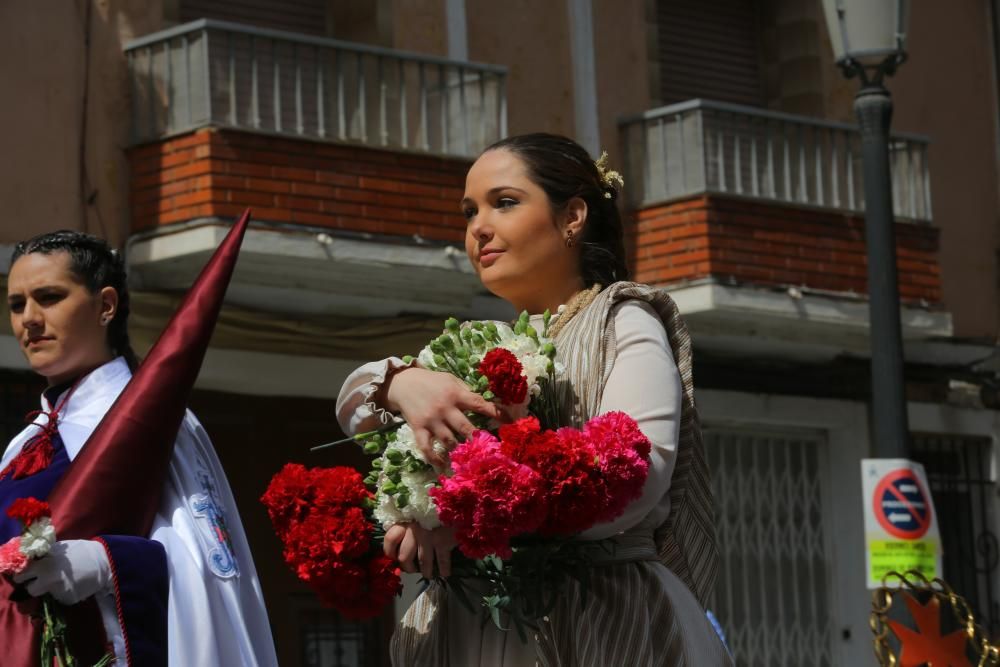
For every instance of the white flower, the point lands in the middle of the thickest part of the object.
(420, 508)
(38, 538)
(426, 359)
(406, 442)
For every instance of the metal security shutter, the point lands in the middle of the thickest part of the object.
(303, 16)
(773, 594)
(709, 49)
(958, 471)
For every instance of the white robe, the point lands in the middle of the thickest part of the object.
(215, 612)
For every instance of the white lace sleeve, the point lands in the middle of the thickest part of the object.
(357, 404)
(645, 384)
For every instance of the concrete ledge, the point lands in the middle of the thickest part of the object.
(790, 325)
(300, 270)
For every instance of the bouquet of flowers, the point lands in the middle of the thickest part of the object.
(511, 366)
(322, 516)
(515, 493)
(35, 541)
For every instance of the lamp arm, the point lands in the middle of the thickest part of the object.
(872, 75)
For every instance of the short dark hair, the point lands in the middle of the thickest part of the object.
(564, 170)
(96, 266)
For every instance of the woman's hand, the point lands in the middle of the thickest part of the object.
(434, 405)
(415, 547)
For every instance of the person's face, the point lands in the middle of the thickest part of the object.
(60, 325)
(516, 243)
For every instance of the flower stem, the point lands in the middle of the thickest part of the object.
(359, 437)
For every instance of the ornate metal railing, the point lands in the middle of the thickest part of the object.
(230, 75)
(700, 146)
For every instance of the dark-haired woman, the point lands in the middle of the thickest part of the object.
(544, 233)
(186, 595)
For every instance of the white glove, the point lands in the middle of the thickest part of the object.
(72, 571)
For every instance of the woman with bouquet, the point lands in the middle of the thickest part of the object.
(186, 593)
(544, 233)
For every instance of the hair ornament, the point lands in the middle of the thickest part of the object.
(612, 180)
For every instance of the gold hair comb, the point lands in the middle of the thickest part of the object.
(613, 181)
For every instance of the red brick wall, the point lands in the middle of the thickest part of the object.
(753, 242)
(220, 172)
(217, 173)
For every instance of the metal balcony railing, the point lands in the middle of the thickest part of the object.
(229, 75)
(700, 146)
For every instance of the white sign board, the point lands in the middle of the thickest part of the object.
(901, 528)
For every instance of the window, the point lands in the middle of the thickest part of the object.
(304, 16)
(708, 49)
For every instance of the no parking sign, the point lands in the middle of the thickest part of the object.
(901, 530)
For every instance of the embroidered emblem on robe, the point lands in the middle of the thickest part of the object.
(207, 506)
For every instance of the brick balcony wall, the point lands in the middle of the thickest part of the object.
(217, 173)
(774, 245)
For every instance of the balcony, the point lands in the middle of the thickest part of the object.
(227, 75)
(352, 157)
(755, 220)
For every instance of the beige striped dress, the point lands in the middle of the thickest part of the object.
(645, 605)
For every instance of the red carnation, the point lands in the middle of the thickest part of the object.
(574, 487)
(288, 497)
(296, 491)
(623, 456)
(28, 510)
(506, 376)
(489, 499)
(362, 590)
(314, 547)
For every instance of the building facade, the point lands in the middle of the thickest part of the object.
(348, 125)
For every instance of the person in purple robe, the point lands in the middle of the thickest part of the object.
(186, 594)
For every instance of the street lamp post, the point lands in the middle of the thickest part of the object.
(868, 38)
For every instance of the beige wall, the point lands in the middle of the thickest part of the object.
(532, 39)
(419, 25)
(622, 63)
(42, 65)
(944, 92)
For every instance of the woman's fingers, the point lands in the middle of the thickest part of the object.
(393, 538)
(425, 443)
(408, 551)
(471, 401)
(459, 424)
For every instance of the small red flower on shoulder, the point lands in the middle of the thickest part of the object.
(29, 510)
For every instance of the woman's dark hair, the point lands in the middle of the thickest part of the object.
(564, 170)
(96, 266)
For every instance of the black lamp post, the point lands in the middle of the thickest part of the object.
(868, 38)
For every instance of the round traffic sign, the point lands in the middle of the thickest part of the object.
(902, 507)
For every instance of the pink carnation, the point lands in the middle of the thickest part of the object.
(489, 499)
(623, 457)
(12, 561)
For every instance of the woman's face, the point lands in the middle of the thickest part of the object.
(60, 325)
(515, 242)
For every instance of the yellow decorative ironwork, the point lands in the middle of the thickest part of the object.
(940, 594)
